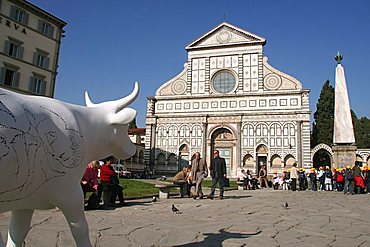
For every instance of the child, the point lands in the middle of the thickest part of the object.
(286, 180)
(313, 179)
(328, 176)
(275, 179)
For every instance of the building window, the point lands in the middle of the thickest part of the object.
(37, 85)
(41, 59)
(19, 15)
(14, 48)
(224, 82)
(45, 28)
(9, 76)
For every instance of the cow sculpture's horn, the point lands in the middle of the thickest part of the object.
(88, 102)
(118, 104)
(122, 103)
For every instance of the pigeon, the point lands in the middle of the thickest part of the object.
(175, 210)
(154, 199)
(285, 206)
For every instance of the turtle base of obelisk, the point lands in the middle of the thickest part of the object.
(344, 155)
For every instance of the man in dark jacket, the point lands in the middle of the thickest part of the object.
(348, 181)
(218, 174)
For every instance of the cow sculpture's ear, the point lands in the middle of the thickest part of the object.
(124, 116)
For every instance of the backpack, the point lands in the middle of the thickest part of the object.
(329, 174)
(262, 173)
(339, 177)
(93, 202)
(349, 176)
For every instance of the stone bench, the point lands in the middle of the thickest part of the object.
(240, 185)
(164, 189)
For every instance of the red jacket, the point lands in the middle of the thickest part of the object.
(106, 171)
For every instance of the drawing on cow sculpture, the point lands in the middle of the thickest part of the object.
(30, 136)
(45, 145)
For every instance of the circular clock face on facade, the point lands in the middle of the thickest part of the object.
(224, 82)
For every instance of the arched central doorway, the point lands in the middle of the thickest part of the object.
(183, 156)
(222, 139)
(261, 153)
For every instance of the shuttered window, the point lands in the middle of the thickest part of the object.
(9, 77)
(46, 29)
(19, 15)
(41, 59)
(14, 48)
(37, 85)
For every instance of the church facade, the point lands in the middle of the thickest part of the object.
(228, 97)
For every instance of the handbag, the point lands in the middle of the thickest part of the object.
(114, 180)
(226, 182)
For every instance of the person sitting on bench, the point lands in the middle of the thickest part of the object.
(181, 179)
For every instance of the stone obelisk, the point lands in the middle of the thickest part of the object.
(344, 139)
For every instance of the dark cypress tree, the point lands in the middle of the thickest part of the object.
(132, 125)
(322, 127)
(362, 131)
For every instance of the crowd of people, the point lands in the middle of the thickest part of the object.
(102, 180)
(350, 180)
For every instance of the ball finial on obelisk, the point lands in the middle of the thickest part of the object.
(338, 57)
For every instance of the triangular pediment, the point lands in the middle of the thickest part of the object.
(225, 34)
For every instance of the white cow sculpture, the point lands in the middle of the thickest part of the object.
(45, 145)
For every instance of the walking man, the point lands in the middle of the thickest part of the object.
(199, 172)
(218, 173)
(263, 177)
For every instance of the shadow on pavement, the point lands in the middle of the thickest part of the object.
(236, 197)
(216, 239)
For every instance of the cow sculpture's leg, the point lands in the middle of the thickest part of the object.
(73, 209)
(19, 226)
(1, 241)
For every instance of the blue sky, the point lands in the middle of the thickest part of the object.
(111, 44)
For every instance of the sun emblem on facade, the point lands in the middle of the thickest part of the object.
(224, 37)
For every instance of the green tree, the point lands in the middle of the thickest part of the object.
(362, 131)
(132, 125)
(323, 125)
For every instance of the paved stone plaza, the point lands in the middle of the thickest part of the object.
(243, 218)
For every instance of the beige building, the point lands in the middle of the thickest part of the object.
(136, 163)
(228, 97)
(29, 47)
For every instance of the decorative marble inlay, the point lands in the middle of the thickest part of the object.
(272, 81)
(273, 102)
(196, 105)
(283, 102)
(252, 103)
(168, 106)
(179, 87)
(214, 104)
(178, 106)
(293, 102)
(223, 104)
(187, 105)
(262, 103)
(205, 105)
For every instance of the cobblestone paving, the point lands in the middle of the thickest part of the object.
(243, 218)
